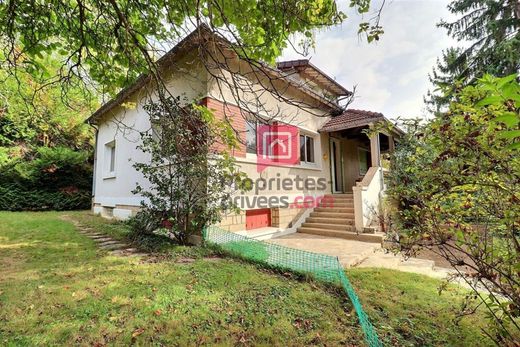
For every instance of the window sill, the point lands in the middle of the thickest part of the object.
(109, 176)
(251, 159)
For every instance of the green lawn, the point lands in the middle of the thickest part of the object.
(57, 288)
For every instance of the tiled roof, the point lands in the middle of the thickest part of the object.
(351, 118)
(189, 41)
(309, 70)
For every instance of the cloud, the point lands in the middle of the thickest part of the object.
(391, 75)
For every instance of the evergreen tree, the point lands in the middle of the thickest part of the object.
(491, 29)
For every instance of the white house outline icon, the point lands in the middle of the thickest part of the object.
(267, 151)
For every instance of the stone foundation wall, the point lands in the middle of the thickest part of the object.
(118, 211)
(280, 217)
(233, 221)
(285, 217)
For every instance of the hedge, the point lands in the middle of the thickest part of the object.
(46, 179)
(16, 198)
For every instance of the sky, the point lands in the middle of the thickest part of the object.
(391, 75)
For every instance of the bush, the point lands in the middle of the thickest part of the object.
(46, 179)
(456, 184)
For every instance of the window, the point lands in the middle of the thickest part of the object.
(251, 136)
(110, 158)
(156, 130)
(364, 161)
(306, 149)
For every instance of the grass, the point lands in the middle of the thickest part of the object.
(56, 288)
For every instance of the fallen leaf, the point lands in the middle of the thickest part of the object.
(157, 312)
(137, 332)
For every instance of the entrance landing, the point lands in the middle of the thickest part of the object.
(352, 253)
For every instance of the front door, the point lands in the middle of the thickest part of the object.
(336, 169)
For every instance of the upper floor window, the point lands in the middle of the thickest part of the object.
(306, 149)
(251, 136)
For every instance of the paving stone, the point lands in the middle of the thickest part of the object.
(94, 235)
(103, 239)
(110, 242)
(113, 246)
(353, 253)
(105, 242)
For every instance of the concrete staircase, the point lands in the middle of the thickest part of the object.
(334, 217)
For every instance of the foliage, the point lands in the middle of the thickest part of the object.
(191, 172)
(54, 291)
(29, 118)
(112, 42)
(51, 179)
(456, 184)
(39, 133)
(492, 29)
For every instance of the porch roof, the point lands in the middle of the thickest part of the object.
(351, 118)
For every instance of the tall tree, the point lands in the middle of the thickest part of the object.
(489, 32)
(30, 119)
(113, 41)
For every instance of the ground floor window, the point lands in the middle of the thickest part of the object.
(364, 161)
(110, 158)
(306, 149)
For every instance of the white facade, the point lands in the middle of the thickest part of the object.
(118, 137)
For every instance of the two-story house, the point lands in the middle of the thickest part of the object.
(335, 156)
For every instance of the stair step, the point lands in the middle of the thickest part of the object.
(334, 209)
(332, 215)
(341, 221)
(329, 202)
(342, 234)
(326, 226)
(336, 204)
(343, 195)
(338, 198)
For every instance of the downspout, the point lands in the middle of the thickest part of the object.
(96, 132)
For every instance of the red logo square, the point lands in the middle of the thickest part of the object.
(277, 144)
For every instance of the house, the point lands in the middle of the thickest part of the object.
(335, 186)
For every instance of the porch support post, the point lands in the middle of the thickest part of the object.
(374, 150)
(391, 143)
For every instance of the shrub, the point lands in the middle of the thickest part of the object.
(189, 185)
(46, 179)
(456, 183)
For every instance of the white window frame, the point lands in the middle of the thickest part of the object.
(314, 145)
(365, 151)
(110, 159)
(256, 122)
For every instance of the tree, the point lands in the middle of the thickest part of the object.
(492, 29)
(455, 184)
(112, 42)
(30, 119)
(191, 173)
(45, 146)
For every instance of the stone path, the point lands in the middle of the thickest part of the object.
(105, 242)
(353, 253)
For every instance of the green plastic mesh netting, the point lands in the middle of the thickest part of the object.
(322, 267)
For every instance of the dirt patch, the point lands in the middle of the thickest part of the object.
(183, 260)
(214, 258)
(440, 261)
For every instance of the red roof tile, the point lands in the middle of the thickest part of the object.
(351, 118)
